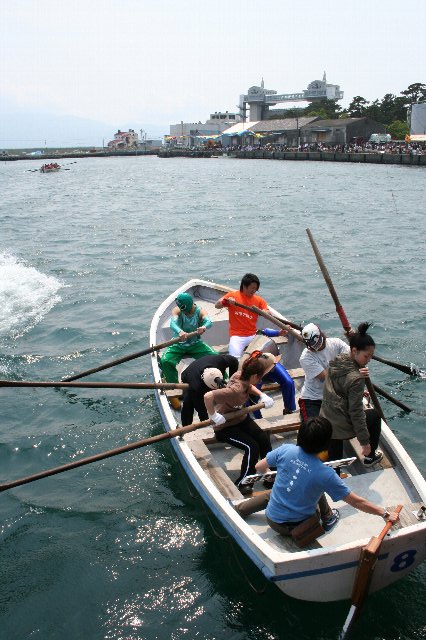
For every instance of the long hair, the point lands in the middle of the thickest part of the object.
(361, 340)
(252, 366)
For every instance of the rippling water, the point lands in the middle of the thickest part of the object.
(124, 548)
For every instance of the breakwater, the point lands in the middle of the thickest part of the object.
(58, 155)
(325, 156)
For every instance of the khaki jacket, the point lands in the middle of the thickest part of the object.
(342, 400)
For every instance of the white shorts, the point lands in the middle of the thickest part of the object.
(237, 344)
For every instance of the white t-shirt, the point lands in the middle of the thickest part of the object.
(314, 362)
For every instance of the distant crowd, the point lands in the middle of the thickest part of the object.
(366, 147)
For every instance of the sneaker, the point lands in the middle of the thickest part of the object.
(245, 489)
(374, 459)
(175, 402)
(268, 483)
(331, 520)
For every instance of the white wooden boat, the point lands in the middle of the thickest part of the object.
(324, 571)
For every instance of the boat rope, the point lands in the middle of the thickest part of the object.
(226, 537)
(257, 591)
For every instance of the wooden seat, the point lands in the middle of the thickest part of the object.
(207, 462)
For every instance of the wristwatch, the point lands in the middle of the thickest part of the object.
(385, 514)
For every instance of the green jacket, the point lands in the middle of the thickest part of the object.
(342, 400)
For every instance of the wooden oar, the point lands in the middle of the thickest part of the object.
(343, 319)
(282, 324)
(128, 447)
(364, 574)
(345, 322)
(386, 395)
(132, 356)
(95, 385)
(412, 370)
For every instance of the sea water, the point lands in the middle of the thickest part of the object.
(124, 549)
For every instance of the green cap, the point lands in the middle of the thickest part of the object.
(185, 302)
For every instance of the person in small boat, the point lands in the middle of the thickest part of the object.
(243, 433)
(320, 349)
(264, 343)
(242, 323)
(342, 402)
(203, 375)
(301, 482)
(186, 318)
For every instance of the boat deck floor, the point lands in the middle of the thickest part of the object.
(381, 485)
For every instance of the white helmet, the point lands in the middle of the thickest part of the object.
(212, 378)
(313, 336)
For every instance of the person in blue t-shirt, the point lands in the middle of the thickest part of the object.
(301, 481)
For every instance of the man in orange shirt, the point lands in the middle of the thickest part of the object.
(242, 323)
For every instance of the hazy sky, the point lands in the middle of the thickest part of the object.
(163, 61)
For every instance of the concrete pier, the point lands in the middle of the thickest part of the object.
(336, 156)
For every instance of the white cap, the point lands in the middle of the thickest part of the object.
(212, 377)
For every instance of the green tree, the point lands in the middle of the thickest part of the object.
(392, 108)
(324, 108)
(398, 129)
(357, 107)
(373, 111)
(415, 92)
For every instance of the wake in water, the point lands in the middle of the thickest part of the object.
(417, 371)
(26, 296)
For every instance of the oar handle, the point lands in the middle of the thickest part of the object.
(128, 447)
(132, 356)
(388, 526)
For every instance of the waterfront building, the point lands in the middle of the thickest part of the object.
(259, 99)
(124, 140)
(341, 130)
(293, 132)
(193, 134)
(417, 119)
(284, 131)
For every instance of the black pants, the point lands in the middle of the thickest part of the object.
(309, 409)
(248, 436)
(193, 401)
(335, 449)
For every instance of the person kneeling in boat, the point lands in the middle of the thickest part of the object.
(279, 374)
(186, 318)
(203, 375)
(301, 481)
(242, 433)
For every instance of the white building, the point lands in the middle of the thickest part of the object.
(124, 140)
(418, 119)
(192, 134)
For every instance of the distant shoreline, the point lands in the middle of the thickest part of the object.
(322, 156)
(56, 154)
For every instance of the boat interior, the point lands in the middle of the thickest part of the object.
(384, 483)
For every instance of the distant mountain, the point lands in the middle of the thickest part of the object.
(20, 130)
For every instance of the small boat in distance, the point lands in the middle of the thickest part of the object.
(325, 570)
(51, 167)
